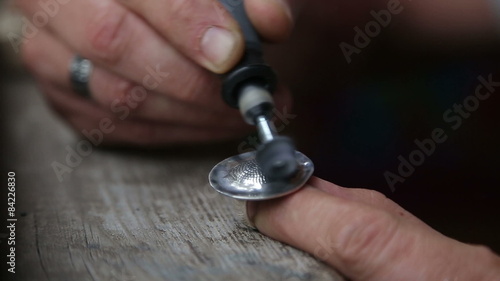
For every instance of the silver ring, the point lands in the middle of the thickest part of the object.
(80, 70)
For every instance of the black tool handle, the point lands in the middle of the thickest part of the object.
(237, 9)
(251, 69)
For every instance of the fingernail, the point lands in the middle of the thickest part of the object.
(286, 8)
(218, 45)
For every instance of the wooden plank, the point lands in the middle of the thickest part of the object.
(129, 215)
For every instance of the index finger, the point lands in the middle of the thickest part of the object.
(361, 240)
(205, 31)
(116, 39)
(201, 29)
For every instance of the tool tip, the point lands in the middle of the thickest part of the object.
(277, 159)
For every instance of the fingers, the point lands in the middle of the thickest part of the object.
(128, 54)
(119, 41)
(336, 230)
(365, 196)
(205, 32)
(201, 29)
(49, 59)
(361, 240)
(89, 119)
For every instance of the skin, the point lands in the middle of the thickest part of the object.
(358, 231)
(369, 237)
(185, 107)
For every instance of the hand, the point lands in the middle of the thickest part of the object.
(368, 237)
(182, 42)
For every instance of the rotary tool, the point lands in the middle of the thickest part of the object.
(275, 169)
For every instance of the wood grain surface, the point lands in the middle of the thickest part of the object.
(130, 215)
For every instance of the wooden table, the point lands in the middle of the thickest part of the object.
(129, 215)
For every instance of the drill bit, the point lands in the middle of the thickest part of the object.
(276, 154)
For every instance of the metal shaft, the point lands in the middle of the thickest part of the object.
(266, 128)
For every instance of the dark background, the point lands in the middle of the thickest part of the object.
(354, 120)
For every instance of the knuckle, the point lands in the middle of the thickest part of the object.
(376, 196)
(127, 95)
(115, 91)
(107, 36)
(373, 196)
(487, 255)
(185, 22)
(365, 238)
(182, 10)
(198, 87)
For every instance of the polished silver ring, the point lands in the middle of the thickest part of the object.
(80, 70)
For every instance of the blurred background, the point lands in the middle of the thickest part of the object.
(355, 119)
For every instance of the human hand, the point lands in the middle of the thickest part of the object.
(369, 237)
(153, 68)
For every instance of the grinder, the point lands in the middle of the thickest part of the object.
(275, 169)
